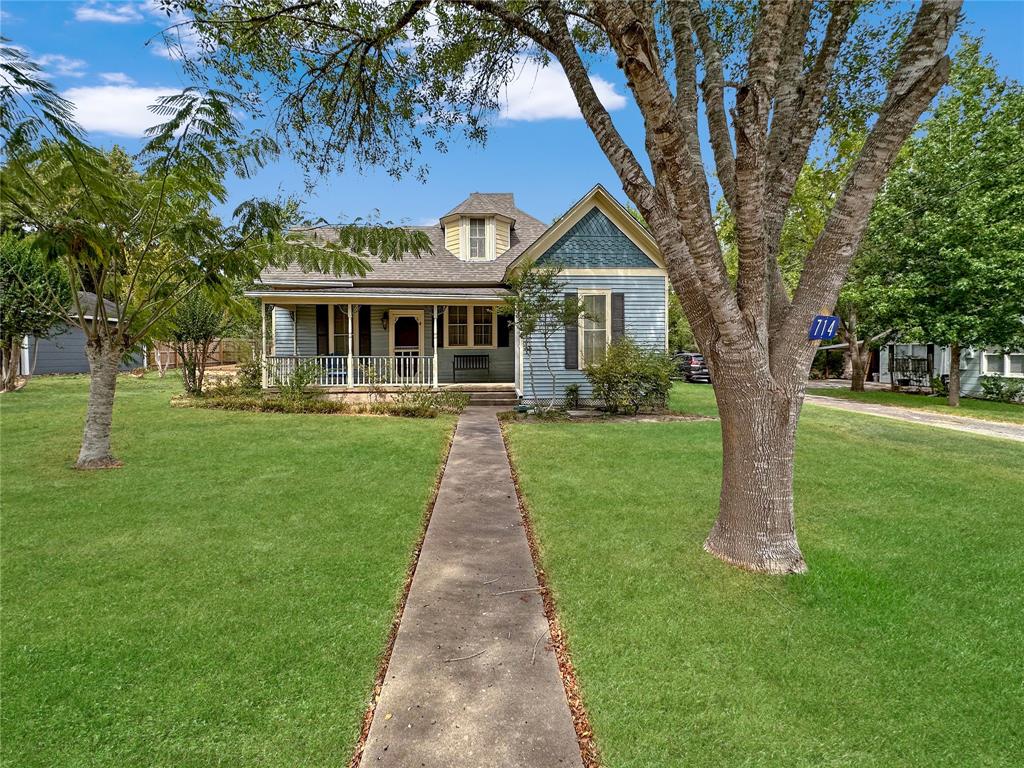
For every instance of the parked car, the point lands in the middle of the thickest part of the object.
(691, 366)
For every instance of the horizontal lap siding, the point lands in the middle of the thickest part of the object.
(970, 377)
(295, 330)
(645, 323)
(65, 353)
(502, 365)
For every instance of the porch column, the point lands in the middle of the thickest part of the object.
(433, 340)
(263, 342)
(350, 370)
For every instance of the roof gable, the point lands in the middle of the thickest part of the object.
(597, 232)
(594, 242)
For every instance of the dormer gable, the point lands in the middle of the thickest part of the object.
(480, 227)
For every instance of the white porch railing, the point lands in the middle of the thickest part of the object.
(413, 370)
(332, 370)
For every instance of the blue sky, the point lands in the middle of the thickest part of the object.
(108, 59)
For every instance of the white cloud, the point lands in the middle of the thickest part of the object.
(61, 66)
(110, 13)
(544, 93)
(116, 78)
(119, 110)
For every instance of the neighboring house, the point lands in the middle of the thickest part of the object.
(64, 351)
(432, 321)
(917, 364)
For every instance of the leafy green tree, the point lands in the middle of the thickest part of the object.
(141, 232)
(196, 323)
(369, 82)
(944, 255)
(32, 295)
(540, 308)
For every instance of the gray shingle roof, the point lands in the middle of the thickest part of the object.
(87, 301)
(502, 203)
(440, 267)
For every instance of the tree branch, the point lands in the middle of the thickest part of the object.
(922, 69)
(713, 93)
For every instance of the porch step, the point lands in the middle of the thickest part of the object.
(494, 398)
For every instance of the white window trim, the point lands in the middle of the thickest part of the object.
(330, 328)
(607, 293)
(393, 315)
(490, 239)
(1006, 365)
(470, 333)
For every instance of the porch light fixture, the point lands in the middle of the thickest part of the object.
(384, 317)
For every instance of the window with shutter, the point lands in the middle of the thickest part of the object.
(595, 326)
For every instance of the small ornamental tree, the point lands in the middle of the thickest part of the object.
(32, 296)
(945, 248)
(541, 310)
(140, 232)
(194, 325)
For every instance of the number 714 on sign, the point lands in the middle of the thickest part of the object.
(823, 327)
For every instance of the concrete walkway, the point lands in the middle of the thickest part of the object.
(959, 423)
(472, 682)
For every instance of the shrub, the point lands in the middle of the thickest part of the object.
(250, 374)
(995, 387)
(239, 400)
(940, 385)
(630, 378)
(572, 397)
(302, 378)
(419, 403)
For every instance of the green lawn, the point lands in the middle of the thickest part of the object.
(903, 645)
(221, 600)
(989, 410)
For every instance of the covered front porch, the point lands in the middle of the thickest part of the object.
(386, 342)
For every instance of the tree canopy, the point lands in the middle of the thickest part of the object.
(943, 261)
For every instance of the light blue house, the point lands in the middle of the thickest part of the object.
(433, 321)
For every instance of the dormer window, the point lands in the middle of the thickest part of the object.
(480, 228)
(478, 239)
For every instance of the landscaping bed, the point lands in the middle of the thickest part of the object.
(901, 646)
(221, 599)
(412, 403)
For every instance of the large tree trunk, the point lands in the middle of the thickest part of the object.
(954, 374)
(10, 359)
(755, 528)
(860, 357)
(104, 359)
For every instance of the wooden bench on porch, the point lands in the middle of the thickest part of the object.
(470, 363)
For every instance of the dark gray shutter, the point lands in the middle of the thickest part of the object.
(364, 330)
(321, 329)
(618, 316)
(504, 330)
(572, 348)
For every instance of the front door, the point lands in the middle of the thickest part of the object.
(406, 344)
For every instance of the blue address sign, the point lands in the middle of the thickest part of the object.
(823, 327)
